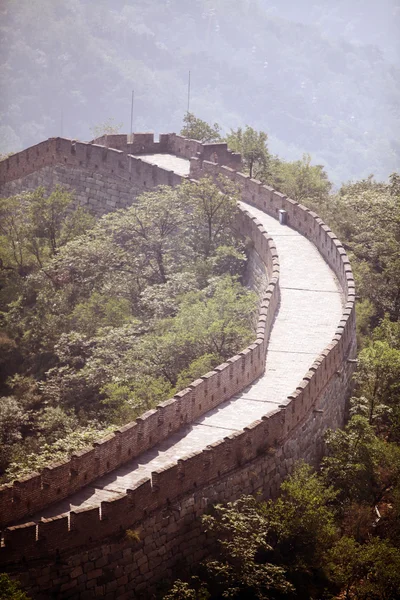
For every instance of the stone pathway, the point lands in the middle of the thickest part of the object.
(311, 307)
(181, 166)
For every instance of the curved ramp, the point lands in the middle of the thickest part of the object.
(311, 307)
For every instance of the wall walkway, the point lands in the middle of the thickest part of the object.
(309, 294)
(238, 429)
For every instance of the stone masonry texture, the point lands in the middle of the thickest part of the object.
(238, 429)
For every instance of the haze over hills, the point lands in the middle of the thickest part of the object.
(317, 78)
(359, 21)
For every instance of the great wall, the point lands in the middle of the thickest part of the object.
(64, 529)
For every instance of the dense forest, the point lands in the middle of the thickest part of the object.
(333, 533)
(103, 320)
(320, 78)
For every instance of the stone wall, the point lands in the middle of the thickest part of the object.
(91, 168)
(104, 177)
(143, 143)
(98, 192)
(171, 538)
(26, 496)
(93, 557)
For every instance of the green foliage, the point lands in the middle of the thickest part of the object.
(366, 217)
(240, 528)
(300, 180)
(100, 311)
(217, 319)
(366, 571)
(197, 129)
(61, 450)
(212, 211)
(272, 550)
(292, 547)
(252, 145)
(365, 313)
(183, 591)
(352, 457)
(108, 323)
(154, 225)
(228, 260)
(199, 366)
(34, 226)
(359, 465)
(107, 127)
(302, 526)
(12, 420)
(10, 590)
(378, 379)
(127, 399)
(214, 321)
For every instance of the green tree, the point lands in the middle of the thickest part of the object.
(378, 379)
(25, 462)
(34, 226)
(127, 399)
(252, 145)
(359, 465)
(110, 322)
(212, 211)
(181, 590)
(300, 180)
(197, 129)
(215, 321)
(240, 571)
(100, 311)
(10, 590)
(351, 460)
(366, 571)
(153, 228)
(221, 323)
(366, 217)
(107, 127)
(12, 421)
(199, 366)
(302, 527)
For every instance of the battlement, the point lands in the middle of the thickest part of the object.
(171, 143)
(197, 470)
(72, 153)
(31, 494)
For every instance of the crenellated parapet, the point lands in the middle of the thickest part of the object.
(171, 143)
(27, 496)
(262, 447)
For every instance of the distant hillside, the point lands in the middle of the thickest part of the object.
(67, 66)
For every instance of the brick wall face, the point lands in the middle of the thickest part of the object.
(60, 480)
(171, 537)
(96, 557)
(97, 192)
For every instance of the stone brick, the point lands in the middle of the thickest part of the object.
(89, 566)
(93, 574)
(168, 539)
(76, 572)
(101, 562)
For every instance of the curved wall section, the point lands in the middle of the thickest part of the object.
(165, 508)
(26, 496)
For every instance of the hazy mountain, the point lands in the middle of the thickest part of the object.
(365, 22)
(317, 78)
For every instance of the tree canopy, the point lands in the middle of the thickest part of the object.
(103, 320)
(197, 129)
(252, 145)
